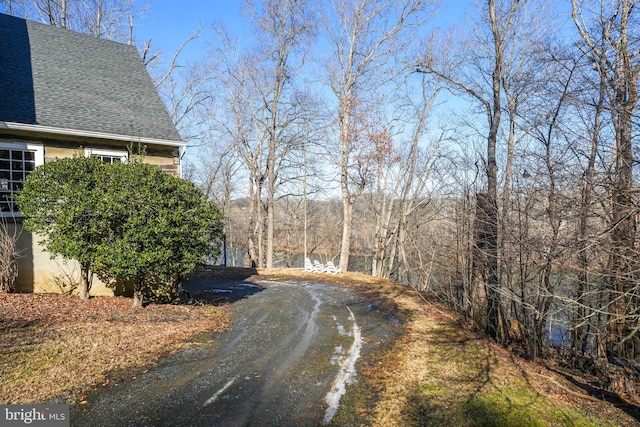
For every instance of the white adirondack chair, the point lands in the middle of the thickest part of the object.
(308, 266)
(318, 268)
(331, 268)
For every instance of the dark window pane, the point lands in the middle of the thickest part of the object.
(108, 159)
(15, 165)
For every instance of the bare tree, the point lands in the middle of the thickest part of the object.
(482, 80)
(9, 253)
(404, 173)
(610, 39)
(595, 124)
(284, 29)
(260, 110)
(14, 7)
(238, 126)
(185, 87)
(108, 19)
(544, 117)
(364, 36)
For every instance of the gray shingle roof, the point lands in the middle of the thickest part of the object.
(57, 78)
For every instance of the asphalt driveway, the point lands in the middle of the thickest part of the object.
(290, 356)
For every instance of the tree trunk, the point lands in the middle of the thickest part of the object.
(612, 51)
(622, 328)
(253, 228)
(486, 309)
(138, 295)
(377, 261)
(63, 14)
(479, 269)
(270, 211)
(347, 219)
(494, 326)
(623, 239)
(404, 260)
(83, 288)
(271, 166)
(382, 237)
(137, 299)
(581, 328)
(259, 234)
(347, 197)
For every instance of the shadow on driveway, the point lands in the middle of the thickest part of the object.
(219, 285)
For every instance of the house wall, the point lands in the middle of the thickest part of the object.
(166, 159)
(37, 271)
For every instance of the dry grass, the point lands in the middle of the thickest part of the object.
(58, 346)
(440, 374)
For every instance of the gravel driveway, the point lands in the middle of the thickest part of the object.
(293, 349)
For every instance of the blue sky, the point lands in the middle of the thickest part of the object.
(168, 23)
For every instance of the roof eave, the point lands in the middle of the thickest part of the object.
(22, 127)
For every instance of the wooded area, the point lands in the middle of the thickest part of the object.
(492, 165)
(516, 205)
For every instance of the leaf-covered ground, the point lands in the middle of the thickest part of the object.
(58, 346)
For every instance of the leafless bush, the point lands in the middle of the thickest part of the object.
(8, 255)
(66, 281)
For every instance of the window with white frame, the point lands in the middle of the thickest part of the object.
(108, 156)
(17, 160)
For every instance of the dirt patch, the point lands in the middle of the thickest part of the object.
(58, 346)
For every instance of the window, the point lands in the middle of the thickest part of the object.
(17, 160)
(108, 156)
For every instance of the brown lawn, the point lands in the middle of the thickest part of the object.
(54, 346)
